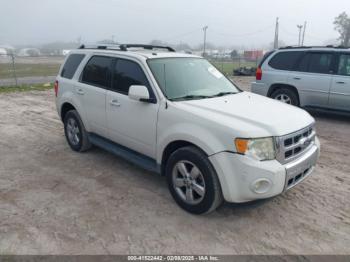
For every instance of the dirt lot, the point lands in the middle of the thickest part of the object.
(55, 201)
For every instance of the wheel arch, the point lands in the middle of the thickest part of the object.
(172, 147)
(277, 86)
(65, 108)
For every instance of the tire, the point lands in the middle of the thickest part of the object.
(78, 140)
(200, 176)
(286, 95)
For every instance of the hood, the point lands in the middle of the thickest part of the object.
(250, 115)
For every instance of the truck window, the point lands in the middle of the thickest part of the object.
(344, 65)
(285, 60)
(97, 71)
(127, 73)
(71, 65)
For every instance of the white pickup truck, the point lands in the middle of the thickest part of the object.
(177, 115)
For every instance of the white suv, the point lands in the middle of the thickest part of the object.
(177, 115)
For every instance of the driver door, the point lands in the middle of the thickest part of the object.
(131, 123)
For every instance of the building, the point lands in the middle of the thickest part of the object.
(253, 55)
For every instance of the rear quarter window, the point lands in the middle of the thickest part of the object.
(285, 60)
(71, 65)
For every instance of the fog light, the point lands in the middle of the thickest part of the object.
(261, 186)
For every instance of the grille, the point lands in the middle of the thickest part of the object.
(292, 181)
(293, 145)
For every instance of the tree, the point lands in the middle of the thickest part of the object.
(234, 54)
(342, 25)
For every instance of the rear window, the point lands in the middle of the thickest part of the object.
(71, 65)
(97, 71)
(285, 60)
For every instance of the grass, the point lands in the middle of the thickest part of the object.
(228, 67)
(23, 70)
(26, 88)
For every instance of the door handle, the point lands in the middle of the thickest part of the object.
(297, 78)
(80, 92)
(114, 102)
(340, 82)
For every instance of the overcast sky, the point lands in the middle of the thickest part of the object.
(231, 22)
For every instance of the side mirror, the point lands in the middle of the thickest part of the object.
(139, 93)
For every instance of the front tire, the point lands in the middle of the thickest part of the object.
(286, 96)
(192, 181)
(75, 132)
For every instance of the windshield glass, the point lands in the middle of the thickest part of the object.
(190, 78)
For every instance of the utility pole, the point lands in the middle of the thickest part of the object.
(275, 43)
(205, 38)
(300, 27)
(302, 42)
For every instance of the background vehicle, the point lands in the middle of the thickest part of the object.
(176, 115)
(307, 77)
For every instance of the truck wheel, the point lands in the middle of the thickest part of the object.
(192, 181)
(75, 132)
(286, 95)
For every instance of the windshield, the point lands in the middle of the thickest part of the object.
(190, 78)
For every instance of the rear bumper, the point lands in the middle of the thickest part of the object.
(244, 179)
(259, 88)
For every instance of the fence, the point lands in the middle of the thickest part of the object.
(15, 70)
(228, 65)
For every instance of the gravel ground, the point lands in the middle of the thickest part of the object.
(55, 201)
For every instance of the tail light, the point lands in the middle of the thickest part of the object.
(258, 73)
(56, 88)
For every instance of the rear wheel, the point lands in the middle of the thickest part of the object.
(192, 181)
(286, 95)
(75, 132)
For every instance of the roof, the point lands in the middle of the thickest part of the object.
(137, 51)
(322, 48)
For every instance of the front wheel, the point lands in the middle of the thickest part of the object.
(192, 181)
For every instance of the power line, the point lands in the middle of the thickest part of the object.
(243, 35)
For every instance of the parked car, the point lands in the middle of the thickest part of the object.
(175, 114)
(307, 77)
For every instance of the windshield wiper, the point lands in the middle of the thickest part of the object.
(189, 97)
(224, 94)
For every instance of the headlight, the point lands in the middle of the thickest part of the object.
(258, 148)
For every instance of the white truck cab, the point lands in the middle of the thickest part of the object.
(177, 115)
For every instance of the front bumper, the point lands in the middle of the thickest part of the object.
(244, 179)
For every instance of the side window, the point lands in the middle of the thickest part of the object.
(304, 63)
(71, 65)
(320, 63)
(97, 71)
(344, 65)
(285, 60)
(127, 73)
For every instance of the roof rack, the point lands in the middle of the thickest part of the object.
(304, 47)
(125, 47)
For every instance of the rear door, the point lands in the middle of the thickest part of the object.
(131, 123)
(313, 78)
(339, 97)
(94, 82)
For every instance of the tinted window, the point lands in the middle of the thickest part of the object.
(320, 63)
(285, 60)
(71, 65)
(97, 71)
(304, 63)
(127, 73)
(344, 65)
